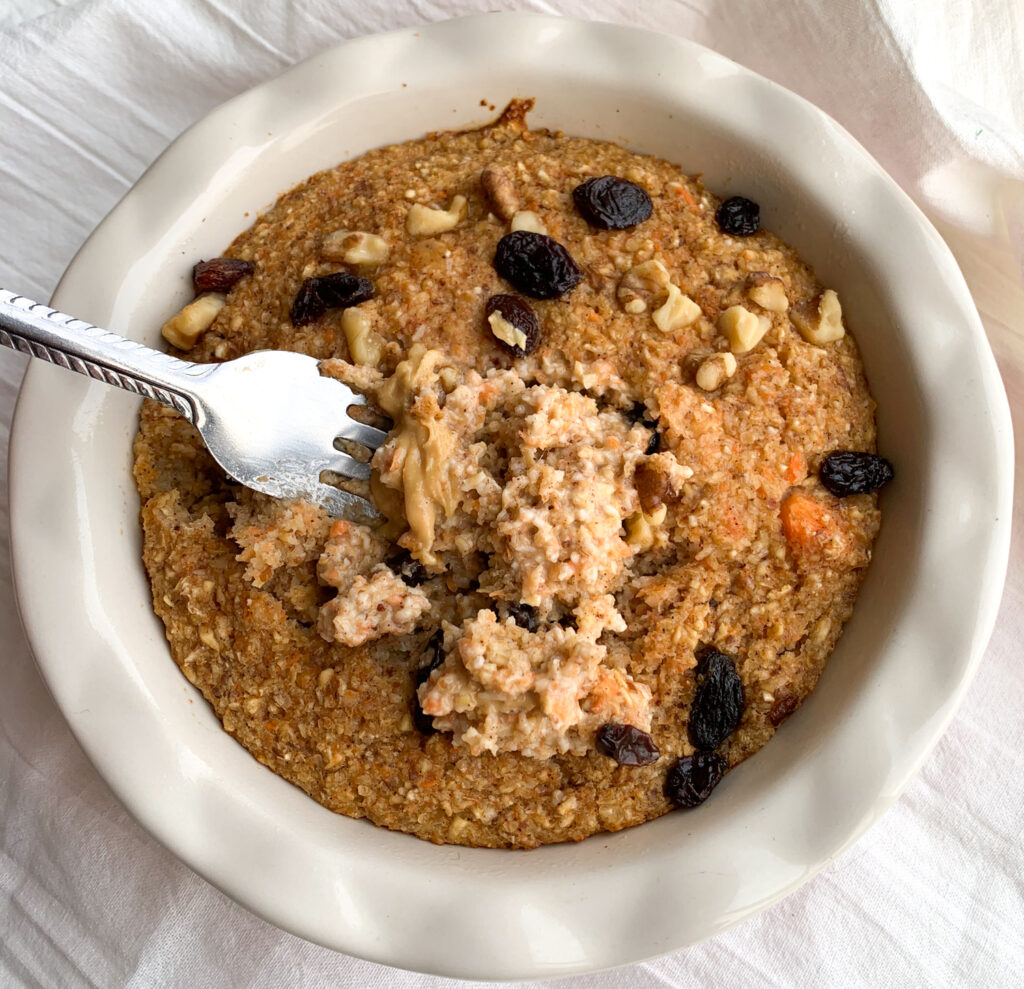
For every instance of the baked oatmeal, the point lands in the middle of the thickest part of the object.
(628, 488)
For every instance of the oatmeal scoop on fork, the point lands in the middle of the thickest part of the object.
(270, 419)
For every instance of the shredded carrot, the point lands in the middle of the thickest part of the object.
(806, 522)
(796, 467)
(594, 317)
(688, 196)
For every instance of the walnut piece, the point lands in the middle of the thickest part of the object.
(678, 311)
(354, 247)
(820, 321)
(742, 328)
(500, 192)
(642, 286)
(768, 292)
(715, 370)
(185, 328)
(641, 528)
(365, 346)
(526, 219)
(507, 332)
(424, 221)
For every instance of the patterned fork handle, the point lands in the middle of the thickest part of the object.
(74, 344)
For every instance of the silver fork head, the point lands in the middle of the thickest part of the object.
(271, 421)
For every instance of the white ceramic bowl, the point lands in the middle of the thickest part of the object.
(906, 658)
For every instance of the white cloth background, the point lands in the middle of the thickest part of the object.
(91, 92)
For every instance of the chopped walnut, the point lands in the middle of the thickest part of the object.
(642, 286)
(742, 328)
(641, 528)
(365, 346)
(500, 192)
(715, 370)
(821, 320)
(424, 221)
(185, 328)
(506, 331)
(528, 220)
(768, 292)
(354, 247)
(678, 311)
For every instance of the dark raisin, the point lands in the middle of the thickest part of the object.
(638, 413)
(434, 656)
(219, 274)
(846, 472)
(524, 615)
(692, 778)
(308, 306)
(568, 620)
(612, 203)
(337, 291)
(536, 264)
(520, 316)
(717, 702)
(784, 706)
(739, 217)
(411, 571)
(341, 290)
(423, 723)
(654, 444)
(627, 745)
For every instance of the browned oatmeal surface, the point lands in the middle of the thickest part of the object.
(570, 531)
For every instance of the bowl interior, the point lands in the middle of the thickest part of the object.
(889, 689)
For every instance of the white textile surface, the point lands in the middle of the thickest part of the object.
(91, 92)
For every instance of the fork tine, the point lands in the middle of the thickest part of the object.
(342, 463)
(342, 504)
(361, 433)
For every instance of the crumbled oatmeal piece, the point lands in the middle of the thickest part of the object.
(505, 689)
(371, 608)
(350, 550)
(541, 480)
(275, 534)
(596, 614)
(539, 473)
(372, 601)
(559, 531)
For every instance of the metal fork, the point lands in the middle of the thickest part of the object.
(270, 419)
